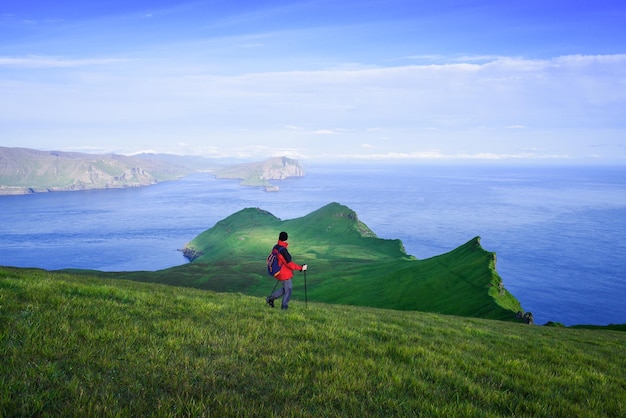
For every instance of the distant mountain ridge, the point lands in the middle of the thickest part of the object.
(24, 171)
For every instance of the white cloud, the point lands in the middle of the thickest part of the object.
(34, 61)
(439, 156)
(325, 132)
(485, 109)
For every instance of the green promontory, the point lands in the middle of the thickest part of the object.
(348, 264)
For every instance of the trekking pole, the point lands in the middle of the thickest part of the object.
(274, 287)
(306, 301)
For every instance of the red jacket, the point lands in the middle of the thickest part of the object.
(284, 260)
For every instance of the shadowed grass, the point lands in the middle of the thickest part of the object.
(81, 346)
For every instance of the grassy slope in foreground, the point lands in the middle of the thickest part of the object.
(79, 346)
(348, 264)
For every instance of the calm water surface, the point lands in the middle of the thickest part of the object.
(559, 233)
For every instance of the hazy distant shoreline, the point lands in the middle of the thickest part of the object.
(26, 171)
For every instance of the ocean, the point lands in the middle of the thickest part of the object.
(559, 233)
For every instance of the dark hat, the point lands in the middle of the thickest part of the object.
(283, 236)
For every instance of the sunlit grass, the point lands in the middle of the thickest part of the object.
(80, 346)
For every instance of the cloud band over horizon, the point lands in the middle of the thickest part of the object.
(238, 93)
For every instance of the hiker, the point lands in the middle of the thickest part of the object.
(286, 272)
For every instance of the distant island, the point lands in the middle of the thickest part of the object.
(260, 174)
(25, 171)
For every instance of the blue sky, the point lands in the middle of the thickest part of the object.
(538, 80)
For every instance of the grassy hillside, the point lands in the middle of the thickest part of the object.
(81, 346)
(348, 264)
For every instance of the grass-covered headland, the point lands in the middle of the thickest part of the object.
(348, 265)
(77, 345)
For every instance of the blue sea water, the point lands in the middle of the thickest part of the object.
(559, 233)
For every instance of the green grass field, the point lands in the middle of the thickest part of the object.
(73, 345)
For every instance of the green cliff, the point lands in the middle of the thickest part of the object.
(348, 264)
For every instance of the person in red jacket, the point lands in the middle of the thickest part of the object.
(286, 272)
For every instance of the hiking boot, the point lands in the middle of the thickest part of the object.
(269, 301)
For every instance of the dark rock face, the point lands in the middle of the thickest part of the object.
(191, 253)
(526, 318)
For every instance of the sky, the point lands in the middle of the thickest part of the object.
(414, 80)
